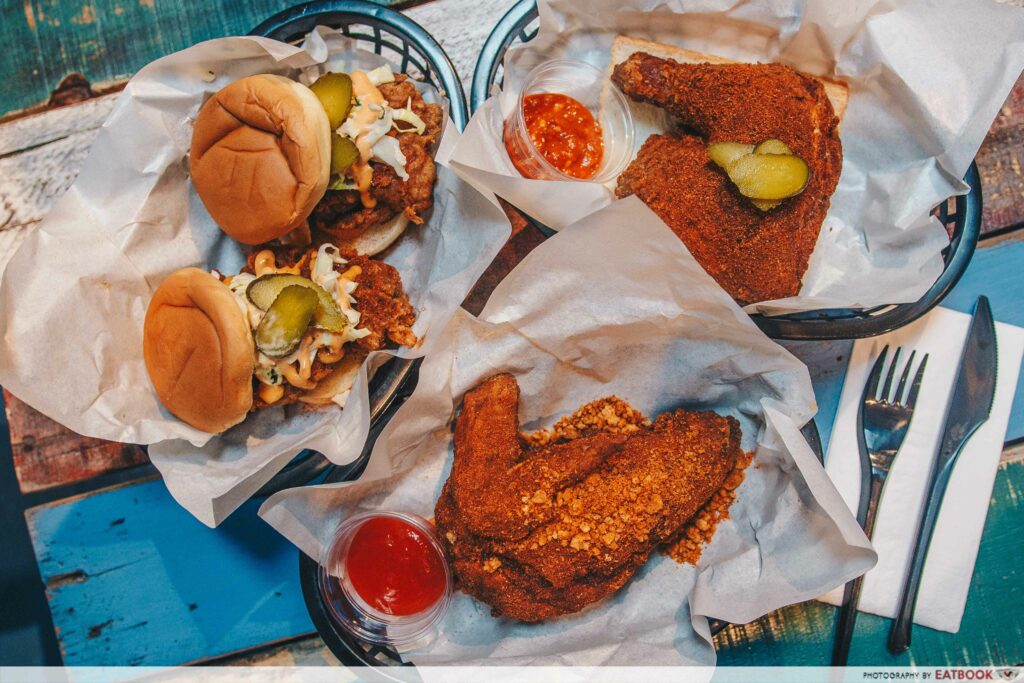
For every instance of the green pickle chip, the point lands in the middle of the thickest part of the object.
(334, 90)
(264, 291)
(286, 321)
(344, 153)
(724, 153)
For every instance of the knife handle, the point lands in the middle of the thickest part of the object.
(899, 633)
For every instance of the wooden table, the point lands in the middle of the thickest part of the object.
(131, 578)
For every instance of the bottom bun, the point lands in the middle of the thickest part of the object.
(375, 239)
(343, 376)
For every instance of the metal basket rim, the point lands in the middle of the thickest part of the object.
(803, 327)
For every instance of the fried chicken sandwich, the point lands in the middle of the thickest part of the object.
(350, 156)
(291, 327)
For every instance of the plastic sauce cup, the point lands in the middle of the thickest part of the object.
(586, 84)
(384, 578)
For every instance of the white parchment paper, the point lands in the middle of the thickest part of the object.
(73, 298)
(596, 311)
(926, 80)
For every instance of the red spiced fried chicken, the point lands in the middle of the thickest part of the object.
(755, 255)
(542, 531)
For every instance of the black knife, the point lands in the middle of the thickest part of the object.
(968, 409)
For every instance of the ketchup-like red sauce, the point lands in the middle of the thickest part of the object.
(564, 132)
(394, 568)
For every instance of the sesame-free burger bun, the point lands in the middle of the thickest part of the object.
(199, 351)
(374, 239)
(260, 156)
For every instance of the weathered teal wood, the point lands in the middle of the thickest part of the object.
(133, 578)
(991, 634)
(108, 40)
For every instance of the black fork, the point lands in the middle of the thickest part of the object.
(882, 425)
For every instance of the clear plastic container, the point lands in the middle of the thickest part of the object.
(589, 86)
(355, 614)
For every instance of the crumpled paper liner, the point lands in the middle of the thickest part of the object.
(925, 83)
(592, 312)
(74, 296)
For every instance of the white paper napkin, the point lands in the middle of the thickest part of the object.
(954, 547)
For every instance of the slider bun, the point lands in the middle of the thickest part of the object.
(343, 375)
(374, 239)
(199, 351)
(260, 156)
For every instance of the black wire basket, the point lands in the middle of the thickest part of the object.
(961, 216)
(410, 50)
(354, 652)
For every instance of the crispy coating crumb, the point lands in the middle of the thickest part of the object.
(699, 531)
(541, 531)
(611, 415)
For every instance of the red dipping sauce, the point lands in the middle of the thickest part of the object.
(564, 132)
(394, 568)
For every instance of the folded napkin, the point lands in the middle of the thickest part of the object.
(954, 547)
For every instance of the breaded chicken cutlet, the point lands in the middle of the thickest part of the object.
(541, 532)
(755, 255)
(385, 314)
(342, 214)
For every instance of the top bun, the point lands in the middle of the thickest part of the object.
(261, 156)
(199, 350)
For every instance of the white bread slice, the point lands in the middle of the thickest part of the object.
(648, 119)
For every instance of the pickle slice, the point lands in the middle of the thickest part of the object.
(286, 321)
(724, 153)
(334, 90)
(766, 204)
(264, 291)
(773, 146)
(343, 154)
(769, 176)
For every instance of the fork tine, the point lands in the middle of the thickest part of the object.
(903, 378)
(876, 372)
(916, 386)
(892, 373)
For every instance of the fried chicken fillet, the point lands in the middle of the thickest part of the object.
(754, 255)
(538, 533)
(341, 214)
(385, 311)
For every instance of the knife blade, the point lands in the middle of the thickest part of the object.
(969, 408)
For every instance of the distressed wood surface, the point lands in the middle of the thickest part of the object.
(108, 40)
(302, 651)
(133, 578)
(47, 454)
(1000, 161)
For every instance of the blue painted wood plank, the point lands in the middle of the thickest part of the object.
(108, 40)
(132, 578)
(991, 633)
